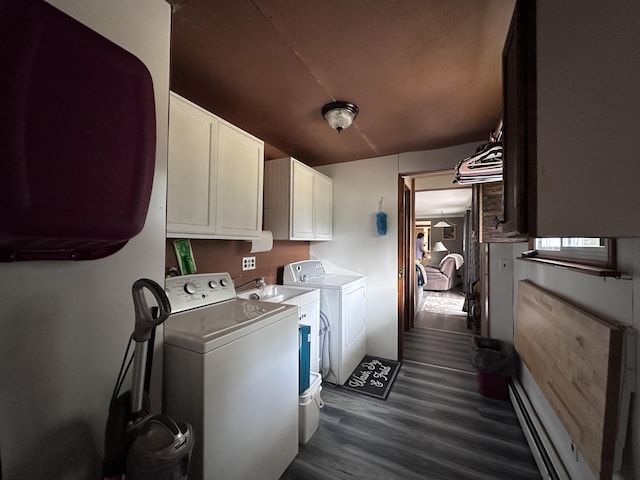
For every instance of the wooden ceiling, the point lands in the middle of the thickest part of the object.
(425, 74)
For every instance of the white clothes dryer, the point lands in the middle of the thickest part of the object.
(343, 304)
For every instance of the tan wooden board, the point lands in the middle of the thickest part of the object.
(575, 357)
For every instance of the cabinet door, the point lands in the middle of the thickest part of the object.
(519, 78)
(192, 134)
(323, 207)
(302, 221)
(240, 164)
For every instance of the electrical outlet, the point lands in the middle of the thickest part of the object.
(248, 263)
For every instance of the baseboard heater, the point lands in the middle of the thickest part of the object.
(544, 453)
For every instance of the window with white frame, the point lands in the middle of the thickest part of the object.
(585, 250)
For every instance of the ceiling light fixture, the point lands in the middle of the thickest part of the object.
(442, 222)
(340, 115)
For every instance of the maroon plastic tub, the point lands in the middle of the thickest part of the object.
(78, 138)
(493, 385)
(494, 362)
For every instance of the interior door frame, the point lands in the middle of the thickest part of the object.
(410, 269)
(407, 276)
(406, 311)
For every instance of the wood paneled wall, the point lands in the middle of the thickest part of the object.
(214, 256)
(492, 208)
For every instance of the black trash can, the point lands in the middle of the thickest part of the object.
(494, 362)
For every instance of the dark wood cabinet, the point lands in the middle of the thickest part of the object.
(509, 208)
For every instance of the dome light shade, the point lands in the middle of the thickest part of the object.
(340, 115)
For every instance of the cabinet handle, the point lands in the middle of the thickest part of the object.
(497, 222)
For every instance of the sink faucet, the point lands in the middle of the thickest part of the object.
(255, 283)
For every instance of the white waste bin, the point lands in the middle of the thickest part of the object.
(309, 406)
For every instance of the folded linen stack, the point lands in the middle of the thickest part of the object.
(483, 166)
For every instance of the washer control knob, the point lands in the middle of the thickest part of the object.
(190, 288)
(223, 282)
(212, 284)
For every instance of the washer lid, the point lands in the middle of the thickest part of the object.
(202, 329)
(330, 281)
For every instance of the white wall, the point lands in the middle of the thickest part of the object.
(501, 292)
(357, 188)
(356, 246)
(611, 299)
(65, 324)
(434, 160)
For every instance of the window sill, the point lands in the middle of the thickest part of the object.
(576, 267)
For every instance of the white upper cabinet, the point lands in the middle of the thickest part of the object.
(298, 201)
(302, 204)
(240, 181)
(323, 206)
(215, 176)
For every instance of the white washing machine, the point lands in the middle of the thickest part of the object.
(343, 304)
(231, 371)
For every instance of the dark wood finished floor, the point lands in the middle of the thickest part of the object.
(436, 347)
(434, 425)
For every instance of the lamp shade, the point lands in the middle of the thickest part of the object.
(439, 247)
(442, 222)
(340, 115)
